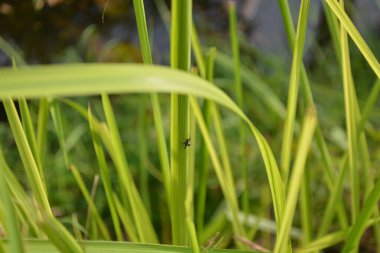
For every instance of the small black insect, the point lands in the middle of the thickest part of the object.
(187, 143)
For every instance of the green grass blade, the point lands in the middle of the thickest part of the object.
(147, 58)
(142, 134)
(30, 135)
(59, 129)
(105, 175)
(180, 57)
(42, 127)
(26, 154)
(59, 236)
(128, 78)
(329, 212)
(92, 207)
(353, 238)
(355, 35)
(369, 105)
(142, 222)
(126, 220)
(293, 89)
(44, 246)
(351, 125)
(10, 221)
(295, 181)
(224, 175)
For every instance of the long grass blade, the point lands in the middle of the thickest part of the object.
(293, 88)
(26, 154)
(295, 181)
(180, 45)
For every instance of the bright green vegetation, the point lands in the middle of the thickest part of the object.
(97, 152)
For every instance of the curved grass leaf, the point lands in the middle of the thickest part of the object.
(90, 79)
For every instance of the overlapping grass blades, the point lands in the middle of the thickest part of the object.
(124, 78)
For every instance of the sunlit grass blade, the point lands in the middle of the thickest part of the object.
(44, 246)
(355, 35)
(27, 158)
(124, 78)
(293, 89)
(180, 58)
(351, 124)
(92, 207)
(30, 135)
(9, 220)
(305, 141)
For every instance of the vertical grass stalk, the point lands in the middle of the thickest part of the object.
(180, 44)
(293, 89)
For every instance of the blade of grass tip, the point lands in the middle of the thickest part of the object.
(352, 241)
(26, 155)
(143, 153)
(305, 141)
(204, 163)
(351, 121)
(56, 115)
(91, 224)
(140, 216)
(368, 107)
(355, 35)
(10, 221)
(158, 125)
(105, 175)
(293, 89)
(76, 225)
(103, 229)
(239, 99)
(30, 134)
(180, 57)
